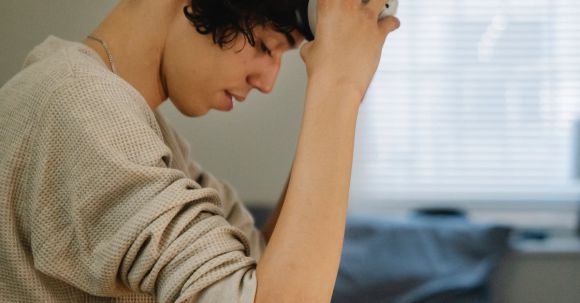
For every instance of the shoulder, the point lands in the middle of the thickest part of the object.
(66, 76)
(102, 97)
(65, 94)
(91, 86)
(89, 93)
(105, 112)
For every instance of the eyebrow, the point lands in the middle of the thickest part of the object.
(290, 40)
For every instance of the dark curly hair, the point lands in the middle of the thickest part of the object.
(226, 19)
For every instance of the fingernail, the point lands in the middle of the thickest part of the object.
(397, 23)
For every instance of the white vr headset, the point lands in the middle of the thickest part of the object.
(306, 17)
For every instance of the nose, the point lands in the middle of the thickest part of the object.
(264, 74)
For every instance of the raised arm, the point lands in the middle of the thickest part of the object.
(271, 223)
(301, 260)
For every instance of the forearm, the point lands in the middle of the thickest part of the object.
(301, 260)
(271, 223)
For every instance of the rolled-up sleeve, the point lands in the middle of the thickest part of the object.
(111, 217)
(234, 209)
(239, 287)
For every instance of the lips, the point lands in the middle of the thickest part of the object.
(239, 98)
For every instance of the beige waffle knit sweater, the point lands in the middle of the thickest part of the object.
(98, 202)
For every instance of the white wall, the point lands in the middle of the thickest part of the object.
(252, 147)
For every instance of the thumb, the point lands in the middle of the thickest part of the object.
(305, 50)
(389, 24)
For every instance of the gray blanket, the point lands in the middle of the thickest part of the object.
(419, 259)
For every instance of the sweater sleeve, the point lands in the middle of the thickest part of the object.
(234, 209)
(110, 217)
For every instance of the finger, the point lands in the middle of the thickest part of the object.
(389, 24)
(376, 5)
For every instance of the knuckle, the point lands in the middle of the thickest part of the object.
(370, 14)
(350, 5)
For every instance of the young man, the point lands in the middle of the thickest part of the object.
(99, 202)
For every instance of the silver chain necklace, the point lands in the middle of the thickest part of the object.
(106, 48)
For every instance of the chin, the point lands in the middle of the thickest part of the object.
(189, 110)
(194, 113)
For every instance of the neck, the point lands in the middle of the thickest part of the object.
(137, 44)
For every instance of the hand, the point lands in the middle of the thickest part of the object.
(348, 44)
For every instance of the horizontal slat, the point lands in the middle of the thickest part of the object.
(474, 99)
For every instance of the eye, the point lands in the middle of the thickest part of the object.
(265, 49)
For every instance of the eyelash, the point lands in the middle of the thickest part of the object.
(265, 49)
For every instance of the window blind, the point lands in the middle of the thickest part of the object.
(474, 103)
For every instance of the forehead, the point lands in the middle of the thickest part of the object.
(292, 39)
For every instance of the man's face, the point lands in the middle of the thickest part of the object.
(199, 75)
